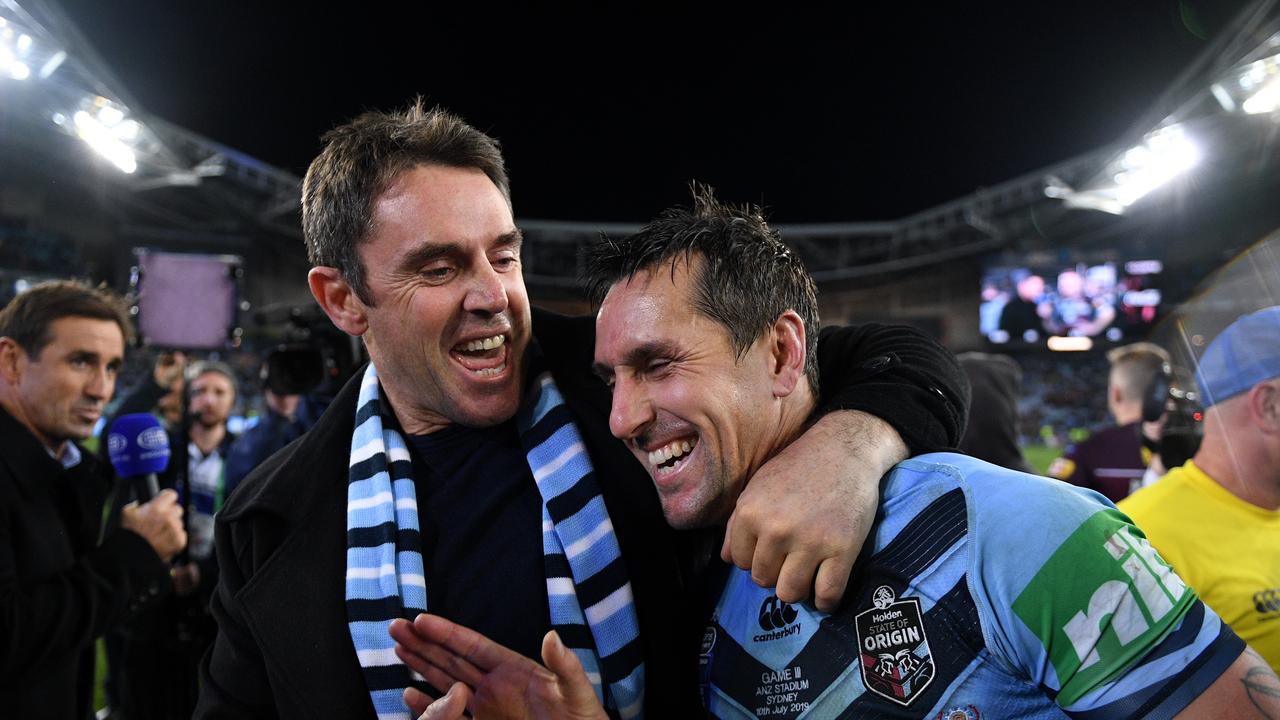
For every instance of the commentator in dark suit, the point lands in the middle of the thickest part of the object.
(62, 584)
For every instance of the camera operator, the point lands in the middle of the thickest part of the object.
(1113, 460)
(288, 414)
(62, 584)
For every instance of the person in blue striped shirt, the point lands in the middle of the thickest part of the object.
(982, 591)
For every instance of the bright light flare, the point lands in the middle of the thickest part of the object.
(1265, 101)
(1163, 155)
(104, 142)
(1253, 89)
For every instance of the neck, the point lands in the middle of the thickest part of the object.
(1127, 413)
(207, 438)
(793, 414)
(1241, 467)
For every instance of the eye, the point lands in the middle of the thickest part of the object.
(437, 274)
(505, 262)
(658, 367)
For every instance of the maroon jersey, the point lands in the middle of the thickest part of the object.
(1111, 461)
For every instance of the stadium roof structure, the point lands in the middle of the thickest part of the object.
(1207, 141)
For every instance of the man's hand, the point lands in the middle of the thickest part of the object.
(159, 522)
(801, 521)
(489, 680)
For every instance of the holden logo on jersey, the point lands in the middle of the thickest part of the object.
(896, 662)
(775, 614)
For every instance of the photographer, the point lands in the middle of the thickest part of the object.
(288, 414)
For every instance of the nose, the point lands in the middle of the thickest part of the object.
(487, 294)
(631, 411)
(100, 386)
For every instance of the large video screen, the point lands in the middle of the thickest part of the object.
(1111, 301)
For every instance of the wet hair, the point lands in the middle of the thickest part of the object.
(746, 279)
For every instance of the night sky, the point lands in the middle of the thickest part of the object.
(869, 113)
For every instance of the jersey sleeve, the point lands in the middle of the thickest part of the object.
(1077, 601)
(1070, 468)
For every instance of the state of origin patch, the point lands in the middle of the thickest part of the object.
(896, 663)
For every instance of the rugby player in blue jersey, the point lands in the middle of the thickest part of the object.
(982, 592)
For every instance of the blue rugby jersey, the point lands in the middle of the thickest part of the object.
(984, 593)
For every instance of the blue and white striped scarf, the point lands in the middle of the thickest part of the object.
(587, 587)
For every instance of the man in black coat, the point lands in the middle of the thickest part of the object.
(61, 583)
(410, 231)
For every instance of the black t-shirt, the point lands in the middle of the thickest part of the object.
(481, 517)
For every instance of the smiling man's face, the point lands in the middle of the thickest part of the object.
(686, 406)
(450, 322)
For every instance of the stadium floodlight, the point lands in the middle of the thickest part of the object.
(24, 53)
(1163, 155)
(99, 137)
(1253, 89)
(53, 63)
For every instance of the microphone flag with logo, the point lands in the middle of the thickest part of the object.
(139, 448)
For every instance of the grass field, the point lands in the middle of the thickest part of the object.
(1040, 456)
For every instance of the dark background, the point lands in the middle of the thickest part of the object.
(868, 113)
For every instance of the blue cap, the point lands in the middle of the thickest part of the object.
(138, 445)
(1243, 355)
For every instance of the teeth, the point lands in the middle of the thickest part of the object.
(490, 372)
(673, 449)
(485, 344)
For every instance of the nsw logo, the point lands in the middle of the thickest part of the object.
(896, 662)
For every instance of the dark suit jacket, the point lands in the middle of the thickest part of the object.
(59, 587)
(283, 648)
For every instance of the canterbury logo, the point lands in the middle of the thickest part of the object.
(775, 614)
(1267, 601)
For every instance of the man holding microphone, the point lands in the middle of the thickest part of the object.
(62, 582)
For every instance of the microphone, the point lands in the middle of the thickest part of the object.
(139, 448)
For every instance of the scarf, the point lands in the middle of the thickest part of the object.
(588, 592)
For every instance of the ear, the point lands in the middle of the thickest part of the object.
(1264, 404)
(13, 360)
(338, 300)
(1114, 390)
(787, 353)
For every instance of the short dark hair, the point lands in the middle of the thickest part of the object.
(747, 278)
(29, 317)
(362, 158)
